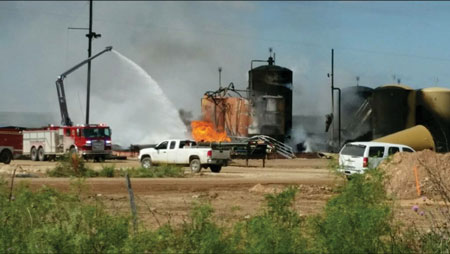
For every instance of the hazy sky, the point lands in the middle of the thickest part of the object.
(181, 45)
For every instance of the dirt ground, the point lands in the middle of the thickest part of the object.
(235, 193)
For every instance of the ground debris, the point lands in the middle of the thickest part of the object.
(401, 176)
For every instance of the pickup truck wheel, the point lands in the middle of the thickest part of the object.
(146, 162)
(6, 156)
(33, 154)
(41, 154)
(195, 165)
(215, 168)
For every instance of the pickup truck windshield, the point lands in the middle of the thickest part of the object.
(96, 132)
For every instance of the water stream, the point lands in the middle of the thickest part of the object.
(126, 97)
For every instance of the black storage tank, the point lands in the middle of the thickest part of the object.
(270, 91)
(393, 109)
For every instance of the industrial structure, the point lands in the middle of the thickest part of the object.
(264, 108)
(396, 113)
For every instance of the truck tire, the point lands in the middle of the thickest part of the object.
(41, 154)
(195, 165)
(146, 162)
(215, 168)
(6, 156)
(33, 154)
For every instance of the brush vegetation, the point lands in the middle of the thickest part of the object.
(358, 219)
(72, 165)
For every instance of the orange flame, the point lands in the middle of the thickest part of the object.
(204, 131)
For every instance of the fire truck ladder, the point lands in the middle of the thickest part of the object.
(281, 148)
(65, 119)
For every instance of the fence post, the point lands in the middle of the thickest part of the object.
(132, 203)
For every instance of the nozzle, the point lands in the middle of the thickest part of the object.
(109, 48)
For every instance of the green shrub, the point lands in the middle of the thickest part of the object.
(277, 230)
(358, 220)
(71, 165)
(107, 171)
(154, 172)
(47, 221)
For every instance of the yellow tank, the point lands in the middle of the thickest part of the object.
(417, 137)
(437, 100)
(433, 111)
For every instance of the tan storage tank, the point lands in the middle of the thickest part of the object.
(229, 114)
(433, 111)
(417, 137)
(393, 109)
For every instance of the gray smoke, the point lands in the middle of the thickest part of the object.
(180, 45)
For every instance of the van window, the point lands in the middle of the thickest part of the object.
(406, 149)
(393, 150)
(172, 144)
(354, 150)
(376, 151)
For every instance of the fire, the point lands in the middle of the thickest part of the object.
(204, 131)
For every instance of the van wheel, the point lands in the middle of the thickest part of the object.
(33, 154)
(6, 156)
(41, 154)
(195, 165)
(215, 168)
(146, 162)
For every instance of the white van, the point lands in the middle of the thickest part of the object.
(356, 157)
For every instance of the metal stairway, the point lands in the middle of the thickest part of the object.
(281, 148)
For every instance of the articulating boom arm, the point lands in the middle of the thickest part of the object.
(65, 119)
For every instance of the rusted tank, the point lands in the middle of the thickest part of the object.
(270, 93)
(393, 109)
(417, 137)
(433, 111)
(268, 116)
(229, 114)
(356, 114)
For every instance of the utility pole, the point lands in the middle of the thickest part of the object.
(220, 77)
(90, 36)
(332, 102)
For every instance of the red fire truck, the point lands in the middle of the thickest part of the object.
(90, 141)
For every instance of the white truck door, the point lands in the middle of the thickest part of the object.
(172, 152)
(160, 155)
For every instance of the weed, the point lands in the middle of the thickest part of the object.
(277, 230)
(51, 222)
(154, 172)
(107, 171)
(358, 220)
(71, 165)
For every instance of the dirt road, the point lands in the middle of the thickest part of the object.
(235, 192)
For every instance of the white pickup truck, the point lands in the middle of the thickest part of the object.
(184, 152)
